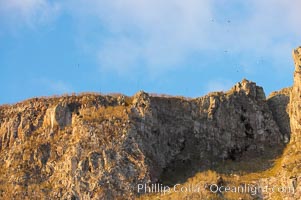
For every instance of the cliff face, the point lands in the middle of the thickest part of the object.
(288, 103)
(291, 162)
(295, 99)
(101, 147)
(195, 135)
(93, 146)
(279, 105)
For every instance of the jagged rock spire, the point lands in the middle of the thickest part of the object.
(295, 99)
(249, 88)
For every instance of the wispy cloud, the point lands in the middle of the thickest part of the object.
(29, 13)
(161, 35)
(153, 33)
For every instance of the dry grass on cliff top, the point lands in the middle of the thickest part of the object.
(102, 113)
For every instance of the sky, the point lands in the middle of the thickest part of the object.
(175, 47)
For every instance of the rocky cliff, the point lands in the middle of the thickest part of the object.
(92, 146)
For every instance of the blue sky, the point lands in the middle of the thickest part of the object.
(173, 47)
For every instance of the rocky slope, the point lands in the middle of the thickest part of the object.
(101, 147)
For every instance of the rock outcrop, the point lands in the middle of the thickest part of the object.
(186, 136)
(58, 116)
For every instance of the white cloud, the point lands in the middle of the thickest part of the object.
(26, 13)
(270, 30)
(158, 34)
(161, 35)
